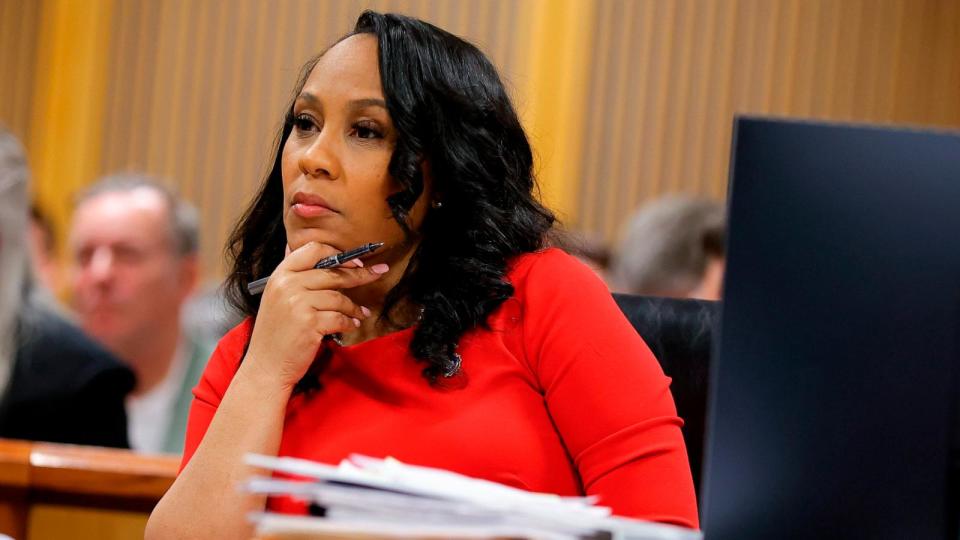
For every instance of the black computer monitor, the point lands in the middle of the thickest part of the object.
(833, 406)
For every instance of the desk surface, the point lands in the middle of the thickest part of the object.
(77, 476)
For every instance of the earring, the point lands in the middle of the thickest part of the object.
(453, 368)
(436, 204)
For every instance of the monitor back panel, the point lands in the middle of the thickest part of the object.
(832, 397)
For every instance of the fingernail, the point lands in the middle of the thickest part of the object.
(356, 322)
(379, 268)
(358, 263)
(365, 310)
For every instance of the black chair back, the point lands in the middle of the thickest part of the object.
(680, 334)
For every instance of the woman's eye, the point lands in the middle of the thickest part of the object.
(304, 123)
(367, 130)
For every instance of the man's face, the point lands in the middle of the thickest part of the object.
(127, 279)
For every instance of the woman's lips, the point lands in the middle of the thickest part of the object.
(311, 210)
(310, 205)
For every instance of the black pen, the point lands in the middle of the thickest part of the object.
(256, 287)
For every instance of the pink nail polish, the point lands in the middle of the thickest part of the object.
(379, 268)
(356, 322)
(365, 310)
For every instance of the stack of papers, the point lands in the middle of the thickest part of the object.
(366, 497)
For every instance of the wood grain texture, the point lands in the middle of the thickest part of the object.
(85, 470)
(57, 491)
(194, 92)
(199, 89)
(15, 463)
(703, 61)
(57, 522)
(18, 48)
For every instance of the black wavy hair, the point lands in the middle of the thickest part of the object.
(452, 111)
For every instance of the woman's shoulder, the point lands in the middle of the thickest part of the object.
(546, 259)
(225, 360)
(551, 286)
(234, 343)
(238, 335)
(552, 269)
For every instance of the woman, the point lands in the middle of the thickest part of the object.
(461, 346)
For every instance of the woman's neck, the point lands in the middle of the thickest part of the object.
(373, 296)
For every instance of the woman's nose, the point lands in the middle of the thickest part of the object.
(320, 158)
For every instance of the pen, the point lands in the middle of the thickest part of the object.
(256, 287)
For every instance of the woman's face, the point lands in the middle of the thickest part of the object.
(334, 163)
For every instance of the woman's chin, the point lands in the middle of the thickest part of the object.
(304, 236)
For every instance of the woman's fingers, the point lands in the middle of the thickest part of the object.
(334, 322)
(306, 256)
(320, 280)
(298, 269)
(342, 277)
(301, 305)
(336, 301)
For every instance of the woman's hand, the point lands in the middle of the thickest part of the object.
(300, 306)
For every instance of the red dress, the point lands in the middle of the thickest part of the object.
(560, 395)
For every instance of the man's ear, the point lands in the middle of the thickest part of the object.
(189, 274)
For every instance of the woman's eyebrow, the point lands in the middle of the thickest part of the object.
(368, 102)
(307, 96)
(354, 103)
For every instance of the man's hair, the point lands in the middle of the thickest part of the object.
(14, 263)
(13, 164)
(183, 218)
(581, 245)
(666, 246)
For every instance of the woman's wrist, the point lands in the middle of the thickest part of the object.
(263, 381)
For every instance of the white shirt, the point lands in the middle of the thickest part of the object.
(149, 414)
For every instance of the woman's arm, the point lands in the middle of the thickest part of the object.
(606, 393)
(300, 306)
(204, 501)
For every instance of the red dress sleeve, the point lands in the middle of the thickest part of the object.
(606, 393)
(208, 393)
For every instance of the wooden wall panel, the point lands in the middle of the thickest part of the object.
(197, 89)
(17, 68)
(194, 90)
(675, 72)
(67, 105)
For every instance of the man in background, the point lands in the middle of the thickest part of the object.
(56, 384)
(674, 247)
(133, 249)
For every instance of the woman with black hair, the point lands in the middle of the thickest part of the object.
(461, 344)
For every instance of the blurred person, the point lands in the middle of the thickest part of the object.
(673, 246)
(463, 343)
(209, 315)
(134, 264)
(43, 250)
(56, 384)
(590, 250)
